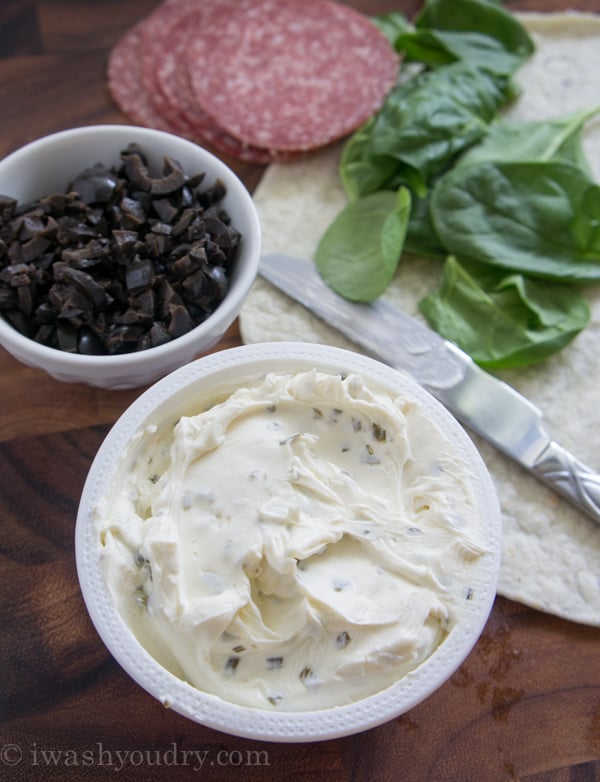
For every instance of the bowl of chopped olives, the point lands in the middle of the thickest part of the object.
(125, 252)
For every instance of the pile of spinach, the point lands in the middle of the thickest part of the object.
(510, 208)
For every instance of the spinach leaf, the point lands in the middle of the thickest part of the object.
(436, 48)
(519, 201)
(477, 16)
(358, 254)
(504, 322)
(425, 123)
(538, 218)
(421, 237)
(362, 172)
(392, 25)
(558, 138)
(431, 118)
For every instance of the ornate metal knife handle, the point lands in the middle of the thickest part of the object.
(571, 478)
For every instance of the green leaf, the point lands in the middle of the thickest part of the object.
(421, 237)
(538, 218)
(363, 172)
(428, 121)
(392, 25)
(436, 48)
(360, 171)
(477, 16)
(504, 322)
(558, 138)
(358, 254)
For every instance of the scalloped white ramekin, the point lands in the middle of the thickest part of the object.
(225, 371)
(47, 165)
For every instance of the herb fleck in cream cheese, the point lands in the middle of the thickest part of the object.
(301, 544)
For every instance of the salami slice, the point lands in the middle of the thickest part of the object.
(172, 81)
(125, 81)
(258, 80)
(290, 75)
(157, 54)
(156, 44)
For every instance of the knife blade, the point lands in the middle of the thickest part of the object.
(483, 403)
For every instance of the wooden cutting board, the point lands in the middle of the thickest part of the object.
(525, 705)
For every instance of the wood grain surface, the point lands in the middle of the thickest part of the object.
(525, 705)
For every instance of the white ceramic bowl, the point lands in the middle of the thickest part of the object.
(178, 394)
(47, 165)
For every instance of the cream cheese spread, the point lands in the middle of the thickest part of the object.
(300, 544)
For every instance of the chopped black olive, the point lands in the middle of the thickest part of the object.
(95, 185)
(67, 337)
(122, 261)
(139, 275)
(342, 640)
(88, 343)
(180, 321)
(378, 432)
(369, 456)
(158, 335)
(290, 439)
(307, 676)
(231, 664)
(274, 662)
(141, 595)
(35, 247)
(84, 282)
(165, 209)
(8, 206)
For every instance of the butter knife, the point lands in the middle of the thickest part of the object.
(482, 402)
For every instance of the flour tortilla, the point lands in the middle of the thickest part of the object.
(551, 552)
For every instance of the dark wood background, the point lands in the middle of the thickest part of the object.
(525, 705)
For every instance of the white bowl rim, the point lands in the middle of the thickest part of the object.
(226, 310)
(208, 709)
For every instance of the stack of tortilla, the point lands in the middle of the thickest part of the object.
(551, 551)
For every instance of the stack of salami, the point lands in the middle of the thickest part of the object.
(258, 80)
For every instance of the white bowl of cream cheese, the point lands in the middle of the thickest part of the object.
(288, 542)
